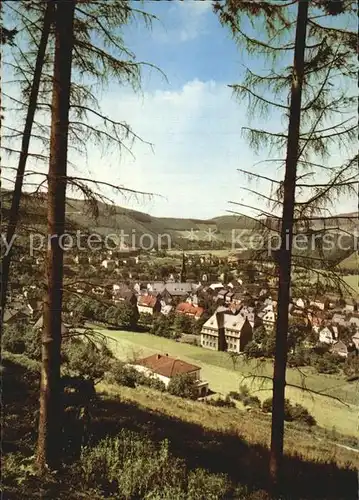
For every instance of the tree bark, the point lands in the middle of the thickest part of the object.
(285, 253)
(50, 420)
(16, 197)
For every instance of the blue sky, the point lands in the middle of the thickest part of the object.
(192, 119)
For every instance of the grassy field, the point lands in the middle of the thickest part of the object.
(226, 446)
(350, 262)
(218, 370)
(352, 280)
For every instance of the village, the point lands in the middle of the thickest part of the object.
(217, 312)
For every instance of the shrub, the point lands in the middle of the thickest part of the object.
(321, 348)
(157, 384)
(132, 466)
(252, 350)
(13, 340)
(222, 402)
(301, 357)
(183, 386)
(292, 413)
(351, 366)
(245, 397)
(130, 377)
(86, 358)
(268, 345)
(259, 334)
(301, 414)
(203, 485)
(244, 391)
(267, 405)
(327, 363)
(235, 395)
(251, 401)
(124, 375)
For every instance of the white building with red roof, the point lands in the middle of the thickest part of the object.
(164, 368)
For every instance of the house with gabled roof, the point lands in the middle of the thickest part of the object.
(12, 316)
(164, 367)
(149, 304)
(123, 293)
(237, 331)
(190, 310)
(328, 334)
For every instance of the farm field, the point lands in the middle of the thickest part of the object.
(218, 370)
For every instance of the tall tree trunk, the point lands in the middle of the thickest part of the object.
(50, 422)
(16, 197)
(285, 253)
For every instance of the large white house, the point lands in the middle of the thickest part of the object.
(237, 330)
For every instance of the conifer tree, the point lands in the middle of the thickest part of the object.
(85, 47)
(310, 87)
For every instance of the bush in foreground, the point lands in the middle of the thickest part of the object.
(292, 413)
(132, 466)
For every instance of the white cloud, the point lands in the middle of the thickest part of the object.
(188, 21)
(196, 133)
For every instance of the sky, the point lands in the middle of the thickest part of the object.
(190, 117)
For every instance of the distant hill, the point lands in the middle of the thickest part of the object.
(112, 219)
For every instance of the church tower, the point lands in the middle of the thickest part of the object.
(183, 269)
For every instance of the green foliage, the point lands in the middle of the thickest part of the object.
(129, 466)
(184, 324)
(13, 339)
(162, 326)
(326, 363)
(128, 376)
(222, 402)
(351, 365)
(124, 375)
(132, 466)
(183, 386)
(301, 357)
(297, 332)
(146, 319)
(203, 485)
(245, 397)
(21, 338)
(292, 412)
(86, 358)
(259, 334)
(123, 314)
(252, 350)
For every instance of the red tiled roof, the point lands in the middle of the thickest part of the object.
(147, 301)
(187, 308)
(162, 364)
